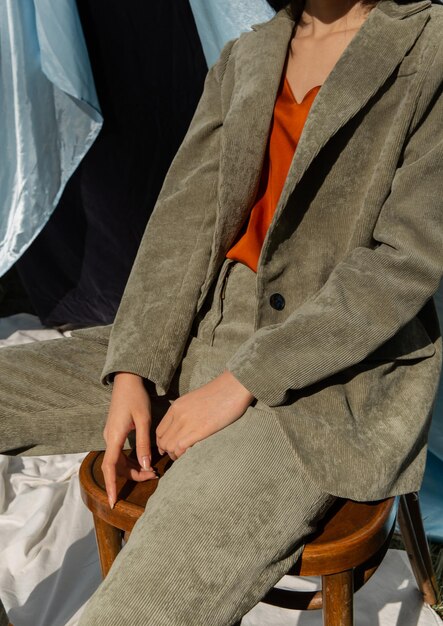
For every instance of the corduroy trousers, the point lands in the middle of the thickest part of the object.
(229, 517)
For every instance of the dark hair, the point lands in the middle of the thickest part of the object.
(296, 6)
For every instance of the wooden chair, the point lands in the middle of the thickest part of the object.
(346, 550)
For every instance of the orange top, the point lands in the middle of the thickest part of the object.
(287, 124)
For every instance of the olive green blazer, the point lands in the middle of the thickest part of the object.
(351, 364)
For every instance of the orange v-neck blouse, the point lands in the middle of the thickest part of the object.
(286, 127)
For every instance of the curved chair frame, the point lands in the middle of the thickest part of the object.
(346, 550)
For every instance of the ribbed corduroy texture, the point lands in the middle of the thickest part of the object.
(351, 364)
(229, 517)
(51, 401)
(226, 522)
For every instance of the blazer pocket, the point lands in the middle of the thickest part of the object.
(410, 342)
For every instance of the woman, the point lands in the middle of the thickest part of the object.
(285, 306)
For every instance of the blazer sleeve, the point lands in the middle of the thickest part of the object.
(373, 292)
(163, 288)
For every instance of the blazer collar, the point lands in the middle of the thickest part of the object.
(258, 70)
(376, 50)
(371, 57)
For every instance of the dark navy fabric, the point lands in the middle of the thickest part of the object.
(149, 70)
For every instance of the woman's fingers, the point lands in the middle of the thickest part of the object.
(163, 433)
(138, 475)
(173, 438)
(201, 413)
(115, 463)
(109, 468)
(130, 409)
(142, 441)
(118, 464)
(165, 422)
(163, 427)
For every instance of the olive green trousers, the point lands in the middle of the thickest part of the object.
(229, 517)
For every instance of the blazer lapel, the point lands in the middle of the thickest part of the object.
(371, 57)
(246, 127)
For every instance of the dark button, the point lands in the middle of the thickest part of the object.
(277, 301)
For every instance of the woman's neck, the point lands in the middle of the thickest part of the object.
(324, 17)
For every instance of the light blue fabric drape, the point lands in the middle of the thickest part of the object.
(50, 114)
(218, 22)
(431, 494)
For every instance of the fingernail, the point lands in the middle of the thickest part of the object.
(149, 469)
(146, 462)
(111, 503)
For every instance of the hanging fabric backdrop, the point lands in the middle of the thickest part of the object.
(50, 114)
(218, 22)
(149, 69)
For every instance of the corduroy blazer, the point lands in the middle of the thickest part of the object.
(351, 364)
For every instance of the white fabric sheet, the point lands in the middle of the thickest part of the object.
(24, 328)
(49, 565)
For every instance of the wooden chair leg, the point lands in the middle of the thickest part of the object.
(109, 542)
(416, 544)
(338, 599)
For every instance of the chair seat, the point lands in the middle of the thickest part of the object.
(131, 496)
(346, 550)
(350, 533)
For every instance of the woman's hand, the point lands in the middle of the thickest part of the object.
(130, 409)
(200, 413)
